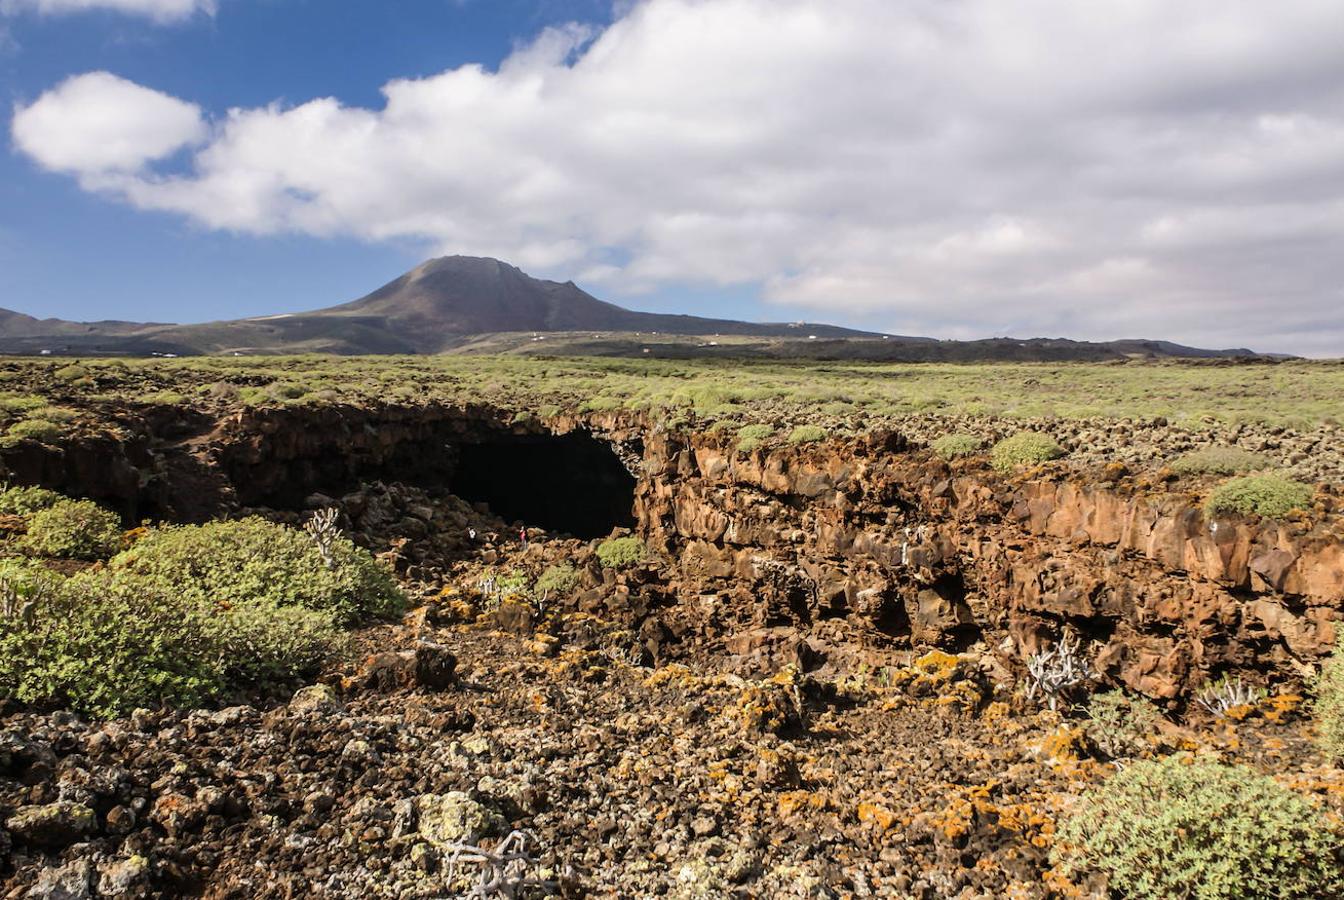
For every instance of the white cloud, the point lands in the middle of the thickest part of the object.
(102, 127)
(158, 10)
(1131, 167)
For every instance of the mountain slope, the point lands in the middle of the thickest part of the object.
(461, 303)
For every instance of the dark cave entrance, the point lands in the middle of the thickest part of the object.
(572, 483)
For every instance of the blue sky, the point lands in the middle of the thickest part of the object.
(73, 255)
(1123, 168)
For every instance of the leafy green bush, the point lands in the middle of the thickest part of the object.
(1218, 461)
(265, 645)
(1329, 704)
(41, 430)
(557, 581)
(255, 561)
(1271, 496)
(807, 434)
(1190, 827)
(24, 501)
(620, 553)
(1024, 448)
(73, 529)
(106, 642)
(21, 403)
(73, 372)
(105, 646)
(1120, 725)
(951, 446)
(749, 437)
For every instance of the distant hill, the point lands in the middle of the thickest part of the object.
(475, 304)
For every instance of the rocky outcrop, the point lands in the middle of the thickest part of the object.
(920, 551)
(863, 542)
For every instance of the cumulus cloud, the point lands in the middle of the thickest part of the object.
(962, 168)
(158, 10)
(105, 129)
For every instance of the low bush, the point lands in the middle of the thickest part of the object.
(40, 430)
(264, 645)
(105, 643)
(952, 446)
(1271, 496)
(1191, 827)
(24, 501)
(1329, 703)
(73, 529)
(255, 561)
(20, 403)
(1120, 725)
(749, 437)
(620, 553)
(807, 434)
(557, 581)
(1024, 448)
(103, 646)
(1218, 461)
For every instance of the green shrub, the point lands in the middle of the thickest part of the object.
(1189, 827)
(600, 404)
(1271, 496)
(73, 372)
(21, 403)
(1120, 725)
(255, 561)
(105, 646)
(952, 446)
(557, 581)
(1218, 461)
(807, 434)
(41, 430)
(105, 642)
(620, 553)
(1329, 703)
(24, 501)
(73, 529)
(1024, 448)
(265, 646)
(749, 437)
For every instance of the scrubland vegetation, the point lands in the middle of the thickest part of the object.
(183, 615)
(1303, 393)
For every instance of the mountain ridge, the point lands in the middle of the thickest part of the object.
(452, 302)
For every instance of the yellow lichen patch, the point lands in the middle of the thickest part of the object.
(996, 711)
(791, 802)
(937, 664)
(1280, 707)
(877, 814)
(1064, 744)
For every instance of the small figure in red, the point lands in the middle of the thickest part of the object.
(522, 536)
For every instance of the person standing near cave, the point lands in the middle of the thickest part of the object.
(522, 536)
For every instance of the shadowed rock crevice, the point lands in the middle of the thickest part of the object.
(571, 483)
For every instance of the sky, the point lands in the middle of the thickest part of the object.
(952, 168)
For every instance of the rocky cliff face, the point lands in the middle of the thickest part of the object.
(838, 552)
(891, 538)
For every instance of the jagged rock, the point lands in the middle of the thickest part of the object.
(315, 698)
(53, 824)
(455, 817)
(124, 877)
(72, 881)
(177, 813)
(429, 666)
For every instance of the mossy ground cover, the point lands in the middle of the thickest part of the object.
(1303, 394)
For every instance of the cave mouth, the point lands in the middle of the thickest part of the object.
(572, 483)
